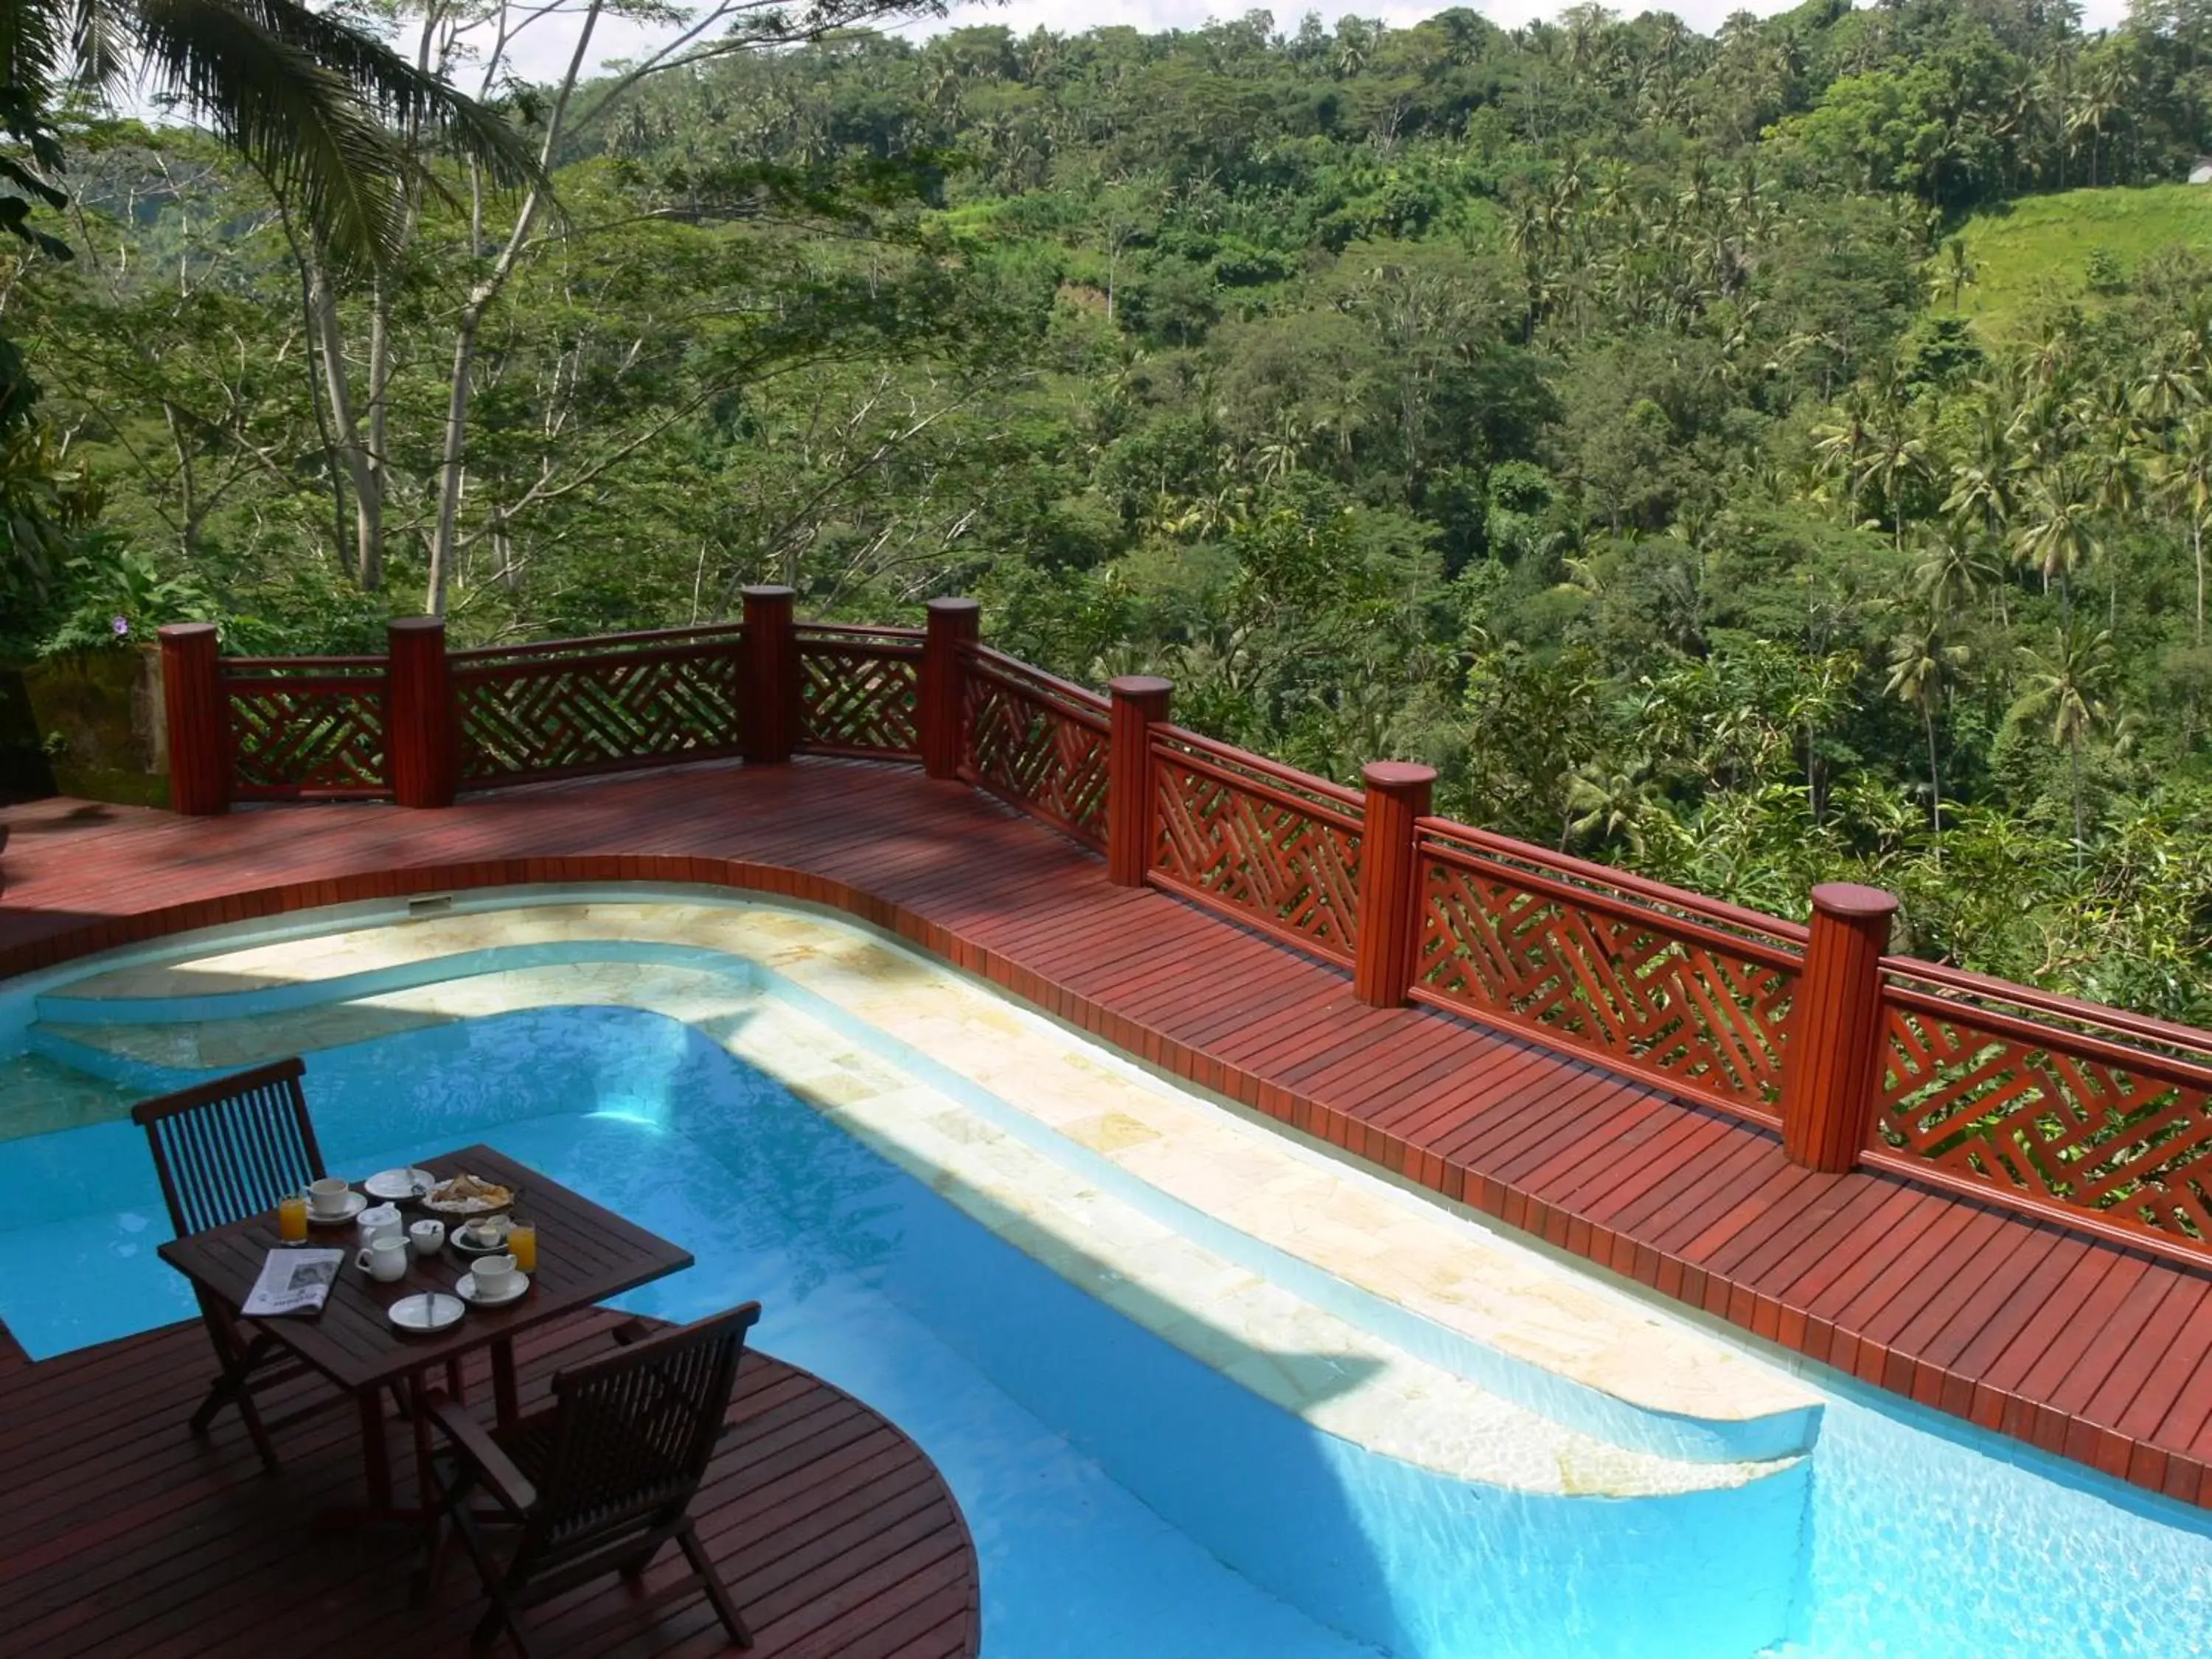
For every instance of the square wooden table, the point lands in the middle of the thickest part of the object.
(585, 1254)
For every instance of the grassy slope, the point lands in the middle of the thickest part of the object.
(2039, 247)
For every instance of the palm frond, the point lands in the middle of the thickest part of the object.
(324, 111)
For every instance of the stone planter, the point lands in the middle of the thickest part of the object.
(88, 725)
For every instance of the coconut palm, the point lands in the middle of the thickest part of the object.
(330, 117)
(2185, 479)
(1921, 662)
(1954, 272)
(2056, 532)
(2071, 688)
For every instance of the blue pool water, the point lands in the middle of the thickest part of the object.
(1124, 1498)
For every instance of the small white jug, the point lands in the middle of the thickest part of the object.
(385, 1259)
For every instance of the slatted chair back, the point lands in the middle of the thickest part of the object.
(633, 1433)
(231, 1148)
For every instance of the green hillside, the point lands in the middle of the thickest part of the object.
(2042, 246)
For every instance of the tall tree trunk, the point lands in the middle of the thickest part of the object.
(445, 541)
(2196, 547)
(2078, 842)
(1935, 777)
(361, 467)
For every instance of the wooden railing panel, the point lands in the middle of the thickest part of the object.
(1037, 743)
(306, 728)
(860, 691)
(576, 707)
(2062, 1120)
(1697, 1007)
(1273, 848)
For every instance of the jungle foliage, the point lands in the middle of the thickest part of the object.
(1592, 409)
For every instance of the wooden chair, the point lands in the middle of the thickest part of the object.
(227, 1150)
(600, 1479)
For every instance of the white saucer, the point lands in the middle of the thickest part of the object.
(425, 1314)
(396, 1185)
(354, 1204)
(467, 1285)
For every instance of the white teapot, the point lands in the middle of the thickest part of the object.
(380, 1221)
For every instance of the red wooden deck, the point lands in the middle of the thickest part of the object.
(2083, 1347)
(123, 1534)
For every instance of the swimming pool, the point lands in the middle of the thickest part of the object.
(1125, 1495)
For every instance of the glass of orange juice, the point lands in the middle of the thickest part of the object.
(292, 1217)
(522, 1244)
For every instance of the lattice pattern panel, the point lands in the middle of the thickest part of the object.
(306, 736)
(1295, 872)
(2056, 1130)
(854, 701)
(1037, 754)
(1695, 1015)
(567, 714)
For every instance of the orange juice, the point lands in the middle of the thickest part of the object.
(292, 1217)
(522, 1245)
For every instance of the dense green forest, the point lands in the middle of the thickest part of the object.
(1605, 413)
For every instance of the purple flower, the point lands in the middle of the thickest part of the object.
(121, 625)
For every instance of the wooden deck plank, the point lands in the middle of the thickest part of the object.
(2006, 1318)
(150, 1541)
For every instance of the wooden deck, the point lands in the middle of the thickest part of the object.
(123, 1534)
(2085, 1348)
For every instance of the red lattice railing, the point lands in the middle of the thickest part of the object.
(576, 706)
(1036, 741)
(859, 690)
(2059, 1109)
(305, 728)
(1274, 847)
(1685, 990)
(2098, 1117)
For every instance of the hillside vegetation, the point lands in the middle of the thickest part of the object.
(2041, 253)
(1589, 409)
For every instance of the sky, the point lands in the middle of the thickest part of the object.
(546, 57)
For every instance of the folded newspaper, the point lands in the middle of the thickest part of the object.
(293, 1282)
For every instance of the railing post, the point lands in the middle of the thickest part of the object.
(1139, 703)
(1388, 931)
(418, 713)
(771, 708)
(1831, 1048)
(199, 724)
(954, 624)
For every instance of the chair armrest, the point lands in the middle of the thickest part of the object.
(631, 1330)
(505, 1482)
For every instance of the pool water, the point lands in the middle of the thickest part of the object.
(1125, 1498)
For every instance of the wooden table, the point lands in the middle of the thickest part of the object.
(585, 1254)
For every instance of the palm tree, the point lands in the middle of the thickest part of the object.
(2185, 479)
(2056, 533)
(2072, 689)
(331, 118)
(1894, 458)
(1840, 447)
(1954, 273)
(1921, 662)
(1614, 805)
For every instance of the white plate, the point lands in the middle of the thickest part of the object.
(467, 1287)
(354, 1204)
(394, 1185)
(427, 1314)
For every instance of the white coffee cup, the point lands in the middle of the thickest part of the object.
(328, 1196)
(494, 1274)
(426, 1236)
(384, 1259)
